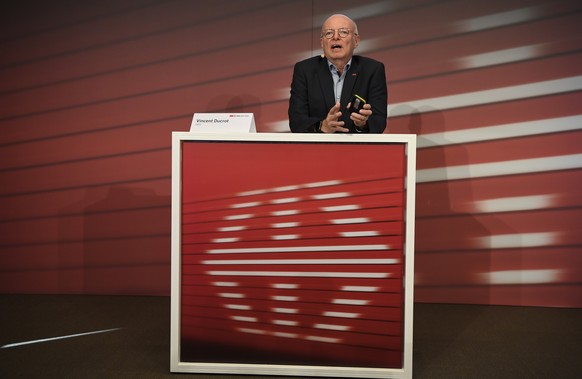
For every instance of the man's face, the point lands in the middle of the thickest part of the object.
(338, 47)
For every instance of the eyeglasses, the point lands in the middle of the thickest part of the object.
(329, 33)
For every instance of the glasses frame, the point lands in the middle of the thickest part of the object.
(330, 33)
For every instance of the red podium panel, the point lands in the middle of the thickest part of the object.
(292, 254)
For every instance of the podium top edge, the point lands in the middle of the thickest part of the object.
(296, 137)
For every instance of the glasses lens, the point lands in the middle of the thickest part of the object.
(329, 33)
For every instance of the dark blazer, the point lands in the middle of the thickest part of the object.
(312, 93)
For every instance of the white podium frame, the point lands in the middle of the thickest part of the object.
(176, 365)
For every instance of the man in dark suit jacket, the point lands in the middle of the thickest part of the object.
(323, 87)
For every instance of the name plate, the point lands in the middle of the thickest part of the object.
(223, 123)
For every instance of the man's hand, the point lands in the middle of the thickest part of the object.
(361, 118)
(331, 123)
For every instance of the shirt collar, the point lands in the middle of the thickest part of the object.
(333, 68)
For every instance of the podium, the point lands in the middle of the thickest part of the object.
(293, 254)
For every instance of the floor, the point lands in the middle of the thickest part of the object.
(131, 339)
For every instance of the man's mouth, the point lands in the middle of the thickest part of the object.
(336, 46)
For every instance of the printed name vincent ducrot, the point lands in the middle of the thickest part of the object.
(218, 120)
(211, 120)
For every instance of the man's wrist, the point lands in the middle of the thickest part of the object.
(361, 128)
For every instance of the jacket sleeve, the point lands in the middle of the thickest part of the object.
(299, 119)
(378, 99)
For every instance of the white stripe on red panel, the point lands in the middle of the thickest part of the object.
(515, 203)
(467, 99)
(341, 314)
(496, 20)
(292, 249)
(359, 288)
(495, 132)
(517, 240)
(314, 274)
(518, 166)
(315, 261)
(500, 56)
(521, 277)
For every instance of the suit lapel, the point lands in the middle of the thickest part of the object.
(326, 83)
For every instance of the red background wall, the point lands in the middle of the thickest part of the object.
(90, 93)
